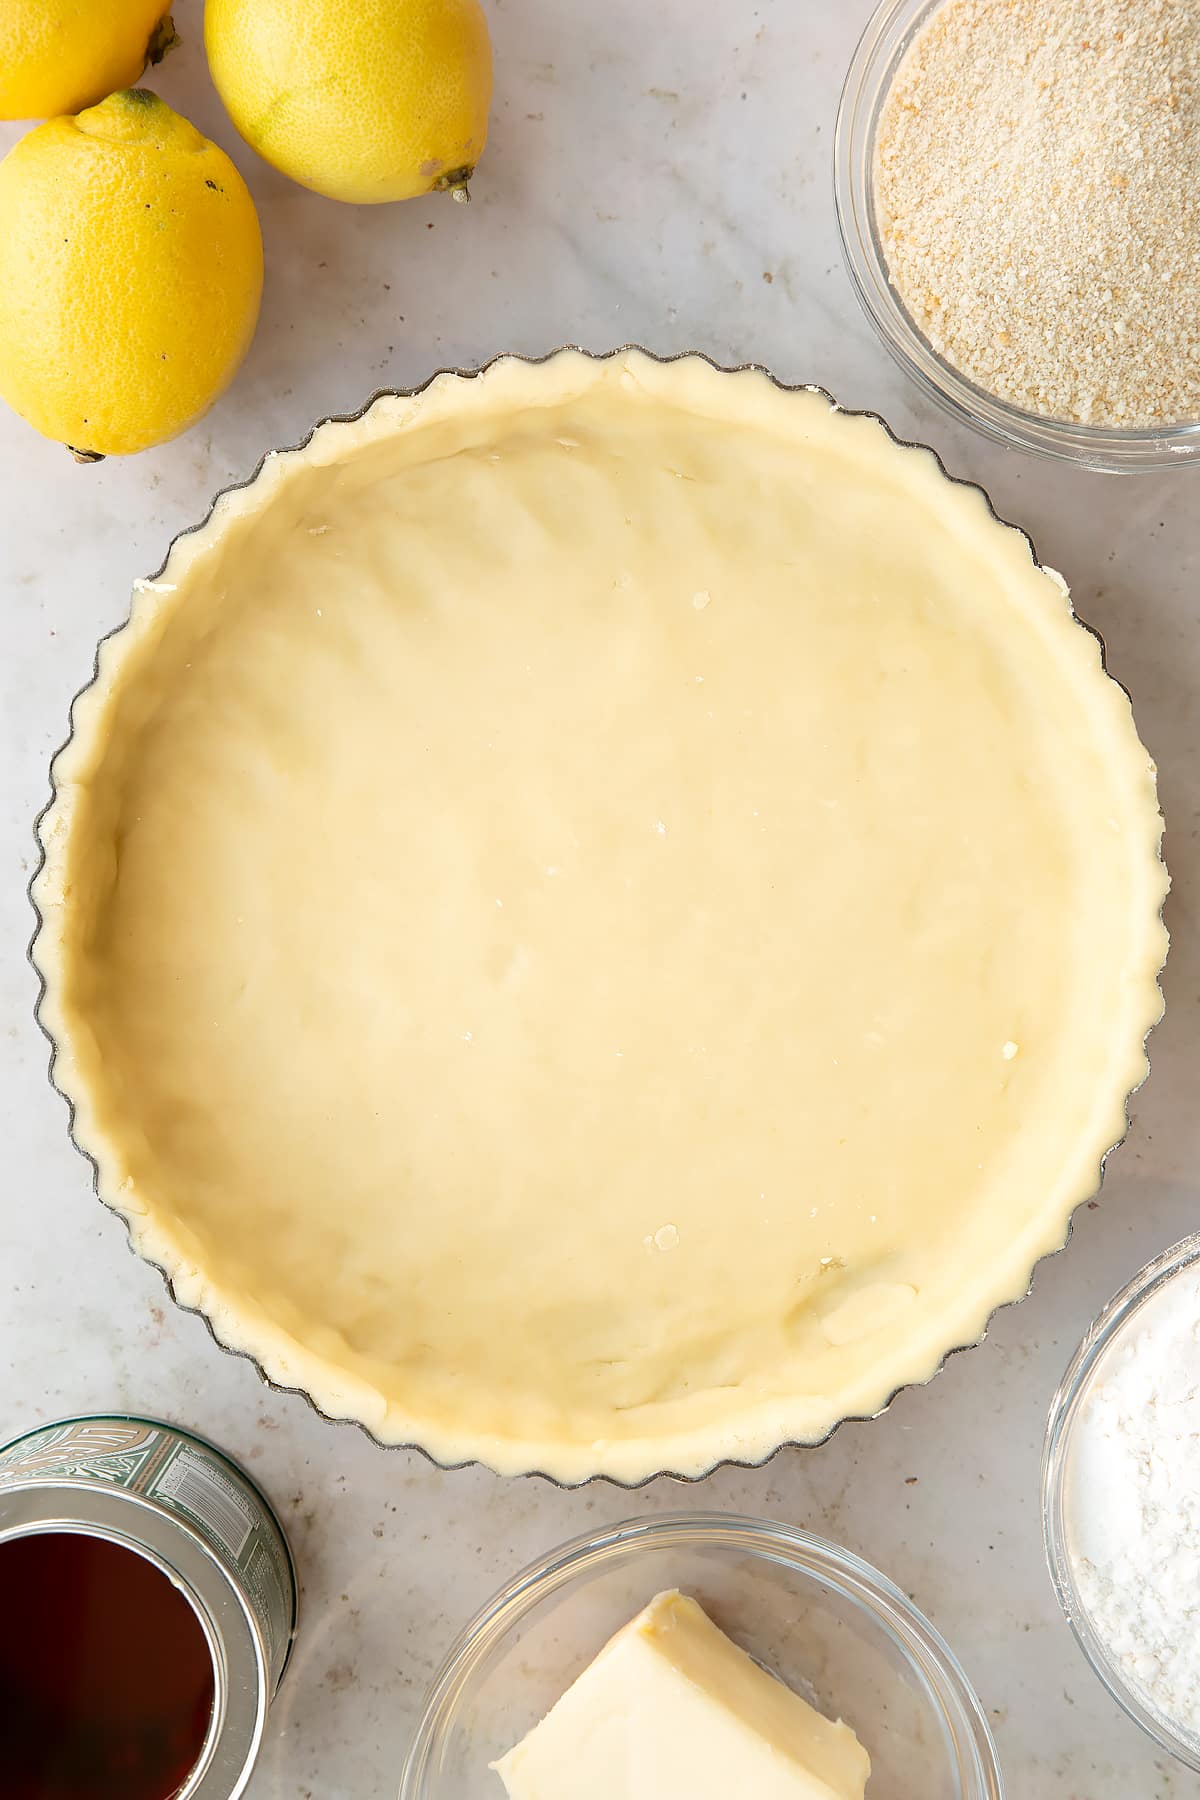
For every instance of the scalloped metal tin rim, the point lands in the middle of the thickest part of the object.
(471, 374)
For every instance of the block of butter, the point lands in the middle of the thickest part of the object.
(672, 1710)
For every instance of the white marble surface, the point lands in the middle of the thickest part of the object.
(657, 173)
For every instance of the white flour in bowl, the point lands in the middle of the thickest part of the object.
(1133, 1502)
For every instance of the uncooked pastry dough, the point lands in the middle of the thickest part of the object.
(601, 917)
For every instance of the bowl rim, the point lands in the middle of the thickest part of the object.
(1104, 449)
(1115, 1317)
(923, 1646)
(43, 834)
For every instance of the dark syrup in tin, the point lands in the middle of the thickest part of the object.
(106, 1679)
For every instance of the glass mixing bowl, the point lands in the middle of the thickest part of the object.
(1122, 1314)
(830, 1625)
(874, 63)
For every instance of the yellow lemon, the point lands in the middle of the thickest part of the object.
(130, 275)
(57, 56)
(364, 103)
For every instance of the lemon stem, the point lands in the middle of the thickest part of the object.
(454, 181)
(164, 37)
(86, 456)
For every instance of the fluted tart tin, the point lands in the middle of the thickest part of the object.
(358, 1351)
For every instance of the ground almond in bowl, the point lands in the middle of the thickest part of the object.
(1037, 202)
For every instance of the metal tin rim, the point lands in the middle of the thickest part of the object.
(234, 1637)
(193, 1437)
(471, 374)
